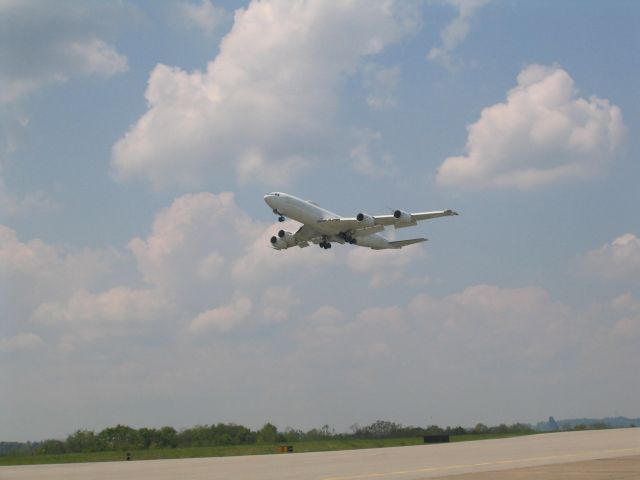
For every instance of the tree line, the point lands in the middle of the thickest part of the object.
(123, 437)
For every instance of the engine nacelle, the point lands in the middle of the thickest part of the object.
(402, 217)
(288, 238)
(278, 243)
(365, 219)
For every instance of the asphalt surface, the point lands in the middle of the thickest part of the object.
(405, 463)
(622, 468)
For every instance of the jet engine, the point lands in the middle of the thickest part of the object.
(402, 217)
(278, 243)
(365, 219)
(288, 238)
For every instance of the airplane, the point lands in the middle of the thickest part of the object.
(322, 227)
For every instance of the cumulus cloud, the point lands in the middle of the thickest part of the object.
(46, 43)
(33, 272)
(200, 250)
(479, 327)
(259, 261)
(20, 341)
(276, 303)
(38, 277)
(326, 314)
(118, 311)
(628, 326)
(224, 318)
(618, 259)
(381, 84)
(204, 16)
(542, 134)
(43, 44)
(116, 305)
(368, 161)
(203, 249)
(30, 202)
(387, 267)
(191, 240)
(265, 102)
(455, 32)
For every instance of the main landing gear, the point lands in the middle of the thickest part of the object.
(324, 244)
(347, 237)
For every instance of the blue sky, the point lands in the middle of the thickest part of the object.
(137, 281)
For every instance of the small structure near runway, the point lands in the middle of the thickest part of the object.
(286, 448)
(436, 439)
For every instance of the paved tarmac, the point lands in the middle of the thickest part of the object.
(622, 468)
(404, 463)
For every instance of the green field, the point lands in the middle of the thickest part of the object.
(230, 450)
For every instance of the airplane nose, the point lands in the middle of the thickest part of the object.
(267, 199)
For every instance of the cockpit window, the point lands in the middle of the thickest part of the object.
(276, 194)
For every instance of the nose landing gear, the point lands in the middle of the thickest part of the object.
(280, 216)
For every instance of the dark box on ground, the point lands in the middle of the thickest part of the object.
(436, 439)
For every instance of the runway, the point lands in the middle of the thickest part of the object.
(403, 463)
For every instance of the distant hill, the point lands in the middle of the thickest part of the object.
(571, 423)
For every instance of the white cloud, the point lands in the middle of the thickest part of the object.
(204, 16)
(254, 168)
(30, 202)
(381, 84)
(20, 341)
(210, 266)
(366, 161)
(85, 317)
(455, 32)
(263, 106)
(628, 326)
(191, 240)
(47, 43)
(327, 314)
(259, 262)
(382, 317)
(222, 319)
(114, 311)
(543, 134)
(620, 258)
(386, 267)
(34, 272)
(276, 303)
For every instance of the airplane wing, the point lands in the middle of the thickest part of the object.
(398, 219)
(306, 233)
(404, 243)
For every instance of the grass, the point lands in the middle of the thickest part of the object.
(230, 450)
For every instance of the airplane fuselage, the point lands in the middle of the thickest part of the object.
(308, 213)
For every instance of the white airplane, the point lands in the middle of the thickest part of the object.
(322, 227)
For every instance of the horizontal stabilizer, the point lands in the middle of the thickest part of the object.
(404, 243)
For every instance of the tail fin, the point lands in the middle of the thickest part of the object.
(404, 243)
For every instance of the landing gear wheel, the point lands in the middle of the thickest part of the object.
(281, 218)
